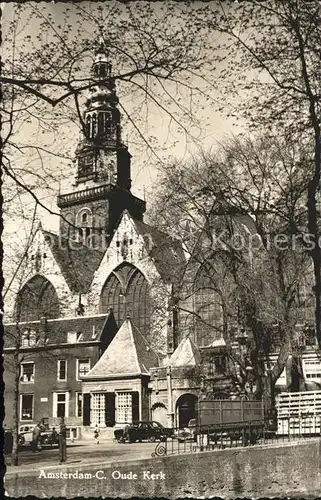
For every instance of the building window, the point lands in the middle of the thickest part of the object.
(78, 404)
(98, 408)
(28, 338)
(83, 367)
(38, 298)
(26, 407)
(127, 292)
(62, 370)
(312, 368)
(27, 372)
(208, 305)
(218, 365)
(60, 404)
(124, 407)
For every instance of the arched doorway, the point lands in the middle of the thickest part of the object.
(186, 409)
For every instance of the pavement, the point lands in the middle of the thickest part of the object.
(79, 453)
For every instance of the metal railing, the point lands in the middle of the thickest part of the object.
(217, 437)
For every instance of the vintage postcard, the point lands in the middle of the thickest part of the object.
(161, 167)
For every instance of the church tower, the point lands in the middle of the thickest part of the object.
(101, 190)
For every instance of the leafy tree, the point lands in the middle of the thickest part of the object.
(270, 71)
(241, 214)
(159, 55)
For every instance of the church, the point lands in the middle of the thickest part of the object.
(95, 333)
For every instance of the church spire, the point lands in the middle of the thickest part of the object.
(101, 69)
(101, 116)
(101, 191)
(101, 155)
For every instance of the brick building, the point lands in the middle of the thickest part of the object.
(94, 334)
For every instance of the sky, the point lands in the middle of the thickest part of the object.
(168, 141)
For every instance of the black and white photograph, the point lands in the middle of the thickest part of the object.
(161, 248)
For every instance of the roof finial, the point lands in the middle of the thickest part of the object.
(102, 48)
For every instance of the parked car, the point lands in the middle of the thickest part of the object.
(25, 438)
(141, 431)
(47, 436)
(26, 428)
(187, 433)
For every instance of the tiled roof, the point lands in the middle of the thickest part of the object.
(166, 252)
(78, 264)
(128, 354)
(186, 354)
(91, 328)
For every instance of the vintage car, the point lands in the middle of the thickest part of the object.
(25, 435)
(142, 431)
(47, 436)
(187, 433)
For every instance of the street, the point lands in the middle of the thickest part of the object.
(82, 452)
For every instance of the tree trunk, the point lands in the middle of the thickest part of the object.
(314, 183)
(15, 430)
(268, 392)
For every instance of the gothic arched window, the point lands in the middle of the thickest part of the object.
(88, 126)
(94, 126)
(36, 299)
(127, 292)
(100, 125)
(84, 218)
(208, 305)
(108, 124)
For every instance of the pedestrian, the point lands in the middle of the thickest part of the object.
(96, 434)
(54, 436)
(126, 435)
(62, 441)
(35, 438)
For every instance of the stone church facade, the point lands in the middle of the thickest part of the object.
(94, 328)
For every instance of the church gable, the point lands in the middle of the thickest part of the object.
(40, 261)
(49, 279)
(127, 246)
(158, 256)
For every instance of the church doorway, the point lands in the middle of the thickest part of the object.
(186, 409)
